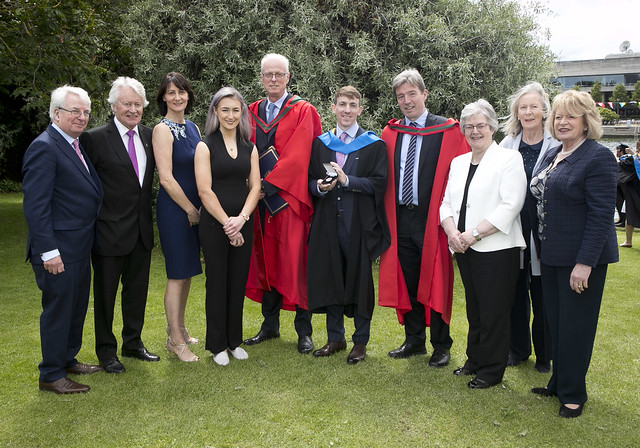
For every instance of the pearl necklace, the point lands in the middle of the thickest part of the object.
(564, 153)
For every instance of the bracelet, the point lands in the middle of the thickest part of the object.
(245, 217)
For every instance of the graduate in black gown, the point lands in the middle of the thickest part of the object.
(349, 229)
(228, 179)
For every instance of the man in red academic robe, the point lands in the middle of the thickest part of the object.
(416, 272)
(285, 126)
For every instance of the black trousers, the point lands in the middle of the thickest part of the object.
(271, 305)
(573, 319)
(226, 268)
(489, 280)
(65, 298)
(410, 240)
(133, 270)
(529, 296)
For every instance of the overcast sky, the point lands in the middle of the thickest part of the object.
(590, 29)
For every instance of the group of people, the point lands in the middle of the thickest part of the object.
(293, 218)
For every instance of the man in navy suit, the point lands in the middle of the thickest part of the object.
(349, 228)
(62, 197)
(122, 154)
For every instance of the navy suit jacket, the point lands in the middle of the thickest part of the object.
(126, 211)
(61, 199)
(579, 201)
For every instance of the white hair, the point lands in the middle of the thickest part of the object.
(59, 97)
(125, 81)
(275, 56)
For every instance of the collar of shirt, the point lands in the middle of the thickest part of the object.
(67, 137)
(122, 129)
(422, 119)
(277, 103)
(351, 132)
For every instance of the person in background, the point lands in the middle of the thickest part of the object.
(416, 272)
(178, 205)
(349, 228)
(575, 189)
(122, 154)
(480, 214)
(525, 133)
(629, 181)
(621, 150)
(62, 197)
(228, 179)
(285, 126)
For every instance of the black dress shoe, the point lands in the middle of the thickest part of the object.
(439, 358)
(357, 354)
(406, 350)
(543, 391)
(512, 361)
(330, 348)
(112, 365)
(140, 353)
(305, 345)
(463, 371)
(543, 367)
(261, 337)
(566, 412)
(477, 383)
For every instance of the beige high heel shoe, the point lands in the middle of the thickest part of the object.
(188, 339)
(185, 334)
(181, 351)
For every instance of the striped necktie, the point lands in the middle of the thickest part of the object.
(407, 180)
(340, 157)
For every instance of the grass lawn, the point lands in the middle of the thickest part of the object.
(279, 398)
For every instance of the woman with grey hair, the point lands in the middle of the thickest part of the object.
(228, 179)
(480, 214)
(526, 133)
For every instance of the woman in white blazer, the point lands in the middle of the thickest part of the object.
(526, 134)
(480, 214)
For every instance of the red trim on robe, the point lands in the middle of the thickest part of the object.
(280, 259)
(435, 287)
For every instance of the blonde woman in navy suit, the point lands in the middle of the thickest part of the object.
(575, 186)
(526, 134)
(480, 214)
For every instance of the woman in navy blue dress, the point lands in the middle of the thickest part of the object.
(178, 205)
(228, 179)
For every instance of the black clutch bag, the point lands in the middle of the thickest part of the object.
(267, 161)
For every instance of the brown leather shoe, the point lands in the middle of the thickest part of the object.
(83, 369)
(357, 354)
(64, 386)
(330, 348)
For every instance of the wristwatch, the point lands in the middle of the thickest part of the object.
(476, 234)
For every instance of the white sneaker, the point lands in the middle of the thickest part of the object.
(222, 359)
(239, 353)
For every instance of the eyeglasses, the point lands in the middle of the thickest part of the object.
(278, 76)
(480, 127)
(77, 112)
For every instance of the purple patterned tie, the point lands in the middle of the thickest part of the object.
(76, 146)
(132, 152)
(340, 157)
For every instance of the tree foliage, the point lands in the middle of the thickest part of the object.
(596, 91)
(608, 116)
(464, 49)
(45, 44)
(635, 95)
(619, 93)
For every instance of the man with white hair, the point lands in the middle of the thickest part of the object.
(122, 154)
(62, 196)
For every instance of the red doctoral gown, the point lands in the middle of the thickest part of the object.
(435, 288)
(279, 257)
